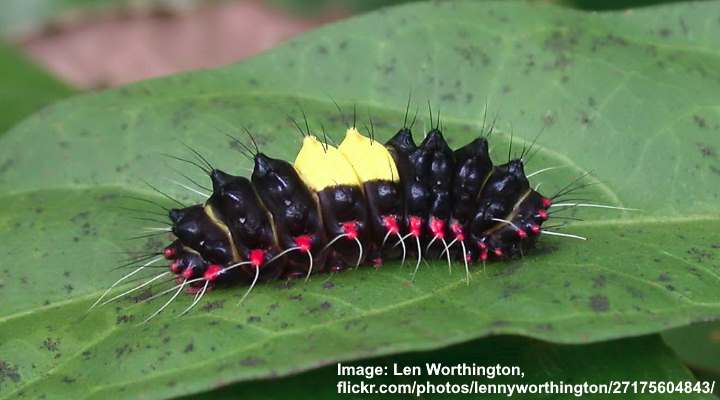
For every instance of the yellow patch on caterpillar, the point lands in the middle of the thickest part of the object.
(322, 165)
(370, 159)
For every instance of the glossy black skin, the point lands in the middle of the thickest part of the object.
(473, 164)
(527, 213)
(435, 164)
(426, 173)
(416, 194)
(502, 190)
(198, 231)
(188, 259)
(236, 203)
(341, 204)
(506, 237)
(293, 207)
(383, 198)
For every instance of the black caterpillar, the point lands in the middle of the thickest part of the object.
(338, 207)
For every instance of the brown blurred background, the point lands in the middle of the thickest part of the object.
(94, 48)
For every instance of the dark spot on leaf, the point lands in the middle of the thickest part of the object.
(251, 361)
(665, 32)
(51, 344)
(664, 277)
(560, 41)
(472, 54)
(635, 292)
(253, 318)
(296, 297)
(599, 281)
(122, 319)
(585, 119)
(700, 255)
(549, 119)
(214, 305)
(189, 347)
(544, 327)
(122, 350)
(448, 97)
(8, 371)
(695, 272)
(599, 303)
(328, 285)
(706, 150)
(510, 289)
(700, 121)
(68, 380)
(145, 294)
(683, 25)
(387, 68)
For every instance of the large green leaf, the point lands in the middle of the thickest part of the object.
(24, 88)
(628, 96)
(638, 359)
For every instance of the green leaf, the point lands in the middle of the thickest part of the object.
(637, 359)
(24, 88)
(629, 96)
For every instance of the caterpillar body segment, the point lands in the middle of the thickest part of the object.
(249, 222)
(334, 181)
(506, 221)
(380, 180)
(295, 212)
(473, 167)
(435, 164)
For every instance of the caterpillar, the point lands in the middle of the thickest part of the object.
(356, 203)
